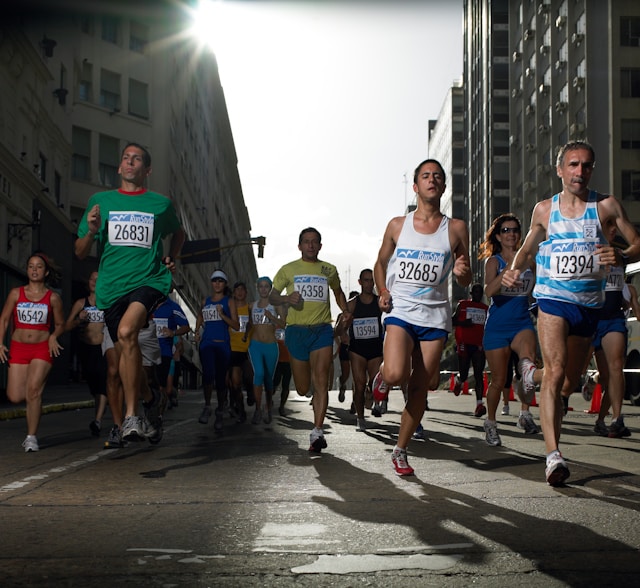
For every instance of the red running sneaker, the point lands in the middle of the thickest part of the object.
(400, 464)
(380, 389)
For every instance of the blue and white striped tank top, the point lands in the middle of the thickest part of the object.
(568, 268)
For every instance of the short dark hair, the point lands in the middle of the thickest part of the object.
(364, 271)
(309, 230)
(146, 156)
(572, 146)
(435, 161)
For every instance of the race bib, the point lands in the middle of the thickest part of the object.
(476, 315)
(243, 319)
(94, 315)
(280, 335)
(161, 323)
(260, 317)
(312, 288)
(210, 313)
(134, 229)
(420, 267)
(573, 258)
(615, 280)
(527, 282)
(366, 328)
(32, 313)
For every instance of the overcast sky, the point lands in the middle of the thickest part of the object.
(329, 106)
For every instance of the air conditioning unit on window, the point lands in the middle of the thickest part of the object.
(529, 72)
(561, 106)
(543, 129)
(577, 38)
(517, 56)
(561, 21)
(528, 186)
(543, 89)
(530, 147)
(530, 109)
(529, 34)
(578, 82)
(576, 129)
(516, 92)
(513, 141)
(560, 64)
(544, 49)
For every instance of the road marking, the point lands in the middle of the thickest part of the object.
(349, 564)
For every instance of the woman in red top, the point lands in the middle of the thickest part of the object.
(34, 308)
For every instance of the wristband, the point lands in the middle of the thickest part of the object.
(383, 291)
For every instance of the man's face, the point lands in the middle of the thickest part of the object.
(476, 294)
(132, 168)
(575, 171)
(430, 182)
(366, 283)
(310, 246)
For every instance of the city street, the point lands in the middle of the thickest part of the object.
(253, 508)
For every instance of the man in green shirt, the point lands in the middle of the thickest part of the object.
(134, 276)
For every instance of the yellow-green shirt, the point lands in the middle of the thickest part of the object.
(313, 280)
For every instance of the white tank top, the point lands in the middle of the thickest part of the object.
(418, 276)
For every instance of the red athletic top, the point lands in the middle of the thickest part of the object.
(477, 312)
(33, 315)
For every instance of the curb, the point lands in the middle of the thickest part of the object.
(17, 413)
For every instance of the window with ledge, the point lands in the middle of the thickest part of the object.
(110, 29)
(630, 31)
(138, 99)
(630, 185)
(630, 82)
(42, 167)
(81, 159)
(85, 85)
(108, 160)
(630, 135)
(110, 90)
(138, 37)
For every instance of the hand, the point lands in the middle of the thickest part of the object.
(461, 267)
(54, 347)
(170, 263)
(384, 301)
(607, 255)
(94, 220)
(511, 278)
(167, 332)
(294, 298)
(4, 350)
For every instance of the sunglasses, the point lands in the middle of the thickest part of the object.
(509, 230)
(218, 280)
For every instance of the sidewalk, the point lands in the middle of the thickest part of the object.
(69, 396)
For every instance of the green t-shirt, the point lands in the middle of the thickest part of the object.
(313, 280)
(133, 227)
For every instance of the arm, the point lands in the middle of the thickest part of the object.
(232, 319)
(74, 316)
(177, 240)
(199, 322)
(459, 238)
(635, 305)
(627, 230)
(83, 244)
(5, 318)
(58, 323)
(526, 255)
(492, 278)
(387, 248)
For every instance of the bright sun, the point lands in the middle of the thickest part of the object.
(213, 23)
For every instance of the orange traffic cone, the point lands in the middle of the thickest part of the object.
(465, 388)
(485, 384)
(452, 382)
(512, 396)
(596, 400)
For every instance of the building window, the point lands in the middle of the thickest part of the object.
(138, 37)
(630, 83)
(85, 83)
(138, 100)
(110, 28)
(630, 133)
(110, 90)
(81, 147)
(109, 161)
(630, 185)
(630, 31)
(57, 187)
(41, 168)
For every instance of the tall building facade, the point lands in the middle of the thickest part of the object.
(83, 85)
(537, 75)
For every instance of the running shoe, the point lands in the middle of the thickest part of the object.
(30, 444)
(457, 386)
(587, 388)
(317, 442)
(156, 436)
(361, 425)
(114, 439)
(342, 394)
(148, 428)
(491, 433)
(375, 411)
(526, 422)
(380, 389)
(132, 429)
(352, 408)
(383, 407)
(556, 471)
(257, 417)
(282, 411)
(217, 424)
(565, 405)
(154, 408)
(601, 428)
(617, 429)
(400, 464)
(173, 399)
(268, 418)
(480, 410)
(204, 415)
(505, 410)
(525, 386)
(419, 434)
(94, 427)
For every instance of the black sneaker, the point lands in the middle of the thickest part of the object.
(317, 442)
(94, 427)
(114, 440)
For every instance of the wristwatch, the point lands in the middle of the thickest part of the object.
(624, 257)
